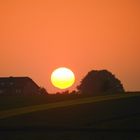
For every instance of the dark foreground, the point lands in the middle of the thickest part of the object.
(114, 120)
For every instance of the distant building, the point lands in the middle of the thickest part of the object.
(18, 86)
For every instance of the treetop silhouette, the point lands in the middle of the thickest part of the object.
(100, 82)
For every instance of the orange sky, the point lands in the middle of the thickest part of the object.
(38, 36)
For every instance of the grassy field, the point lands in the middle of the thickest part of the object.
(104, 117)
(10, 102)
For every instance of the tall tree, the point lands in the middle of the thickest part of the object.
(100, 82)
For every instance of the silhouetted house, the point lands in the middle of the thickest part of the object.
(18, 86)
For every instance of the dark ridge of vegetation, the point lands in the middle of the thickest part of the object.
(9, 102)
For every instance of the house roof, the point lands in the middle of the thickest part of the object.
(17, 81)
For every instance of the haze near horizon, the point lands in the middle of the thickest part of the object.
(36, 37)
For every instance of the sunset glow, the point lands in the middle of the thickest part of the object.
(62, 78)
(38, 36)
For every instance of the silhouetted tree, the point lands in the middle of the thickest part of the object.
(73, 92)
(66, 92)
(100, 82)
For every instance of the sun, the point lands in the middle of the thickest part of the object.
(62, 78)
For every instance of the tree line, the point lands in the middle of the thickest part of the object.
(98, 82)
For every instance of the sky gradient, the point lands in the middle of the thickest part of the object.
(37, 37)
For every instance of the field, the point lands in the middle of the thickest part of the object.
(70, 117)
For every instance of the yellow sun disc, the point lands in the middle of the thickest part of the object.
(62, 78)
